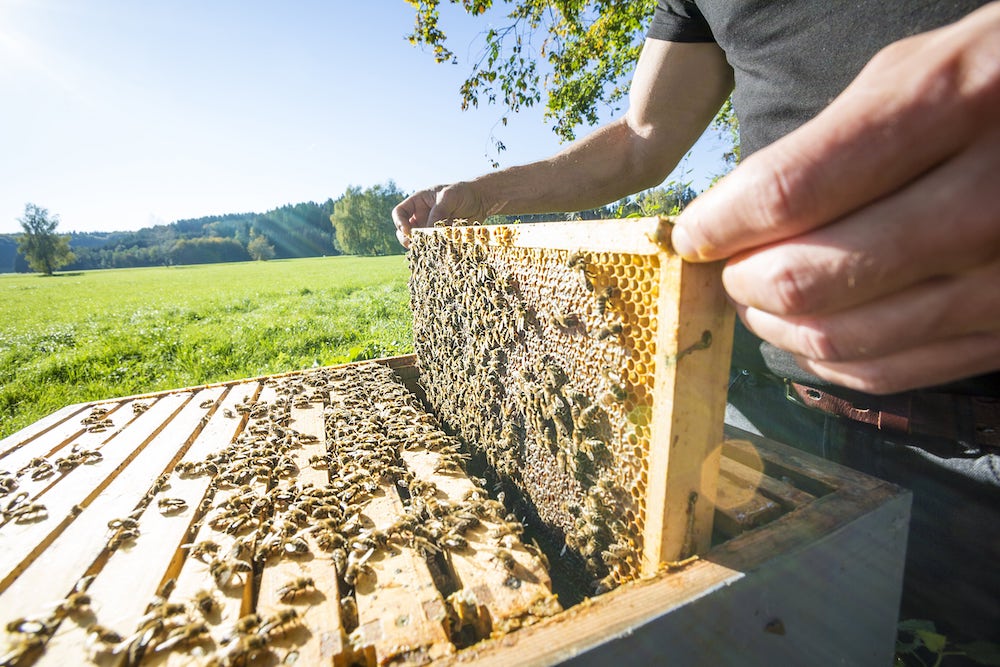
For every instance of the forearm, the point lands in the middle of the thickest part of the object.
(675, 93)
(593, 171)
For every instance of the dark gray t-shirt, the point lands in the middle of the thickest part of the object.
(790, 59)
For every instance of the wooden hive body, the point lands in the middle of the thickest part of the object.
(119, 501)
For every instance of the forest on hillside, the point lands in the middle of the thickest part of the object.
(358, 222)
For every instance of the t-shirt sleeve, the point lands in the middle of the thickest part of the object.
(679, 21)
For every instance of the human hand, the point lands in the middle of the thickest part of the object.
(867, 242)
(443, 202)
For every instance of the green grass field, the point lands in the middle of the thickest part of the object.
(85, 336)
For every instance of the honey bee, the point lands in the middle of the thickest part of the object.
(171, 505)
(243, 651)
(279, 622)
(206, 403)
(201, 549)
(24, 646)
(601, 298)
(205, 602)
(101, 639)
(121, 537)
(349, 613)
(505, 560)
(614, 329)
(566, 320)
(295, 588)
(228, 573)
(184, 635)
(604, 585)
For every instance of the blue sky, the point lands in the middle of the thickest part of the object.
(118, 114)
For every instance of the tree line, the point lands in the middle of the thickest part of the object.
(359, 222)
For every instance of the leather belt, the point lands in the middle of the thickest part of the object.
(971, 421)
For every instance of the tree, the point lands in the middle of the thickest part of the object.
(259, 248)
(591, 47)
(363, 223)
(45, 250)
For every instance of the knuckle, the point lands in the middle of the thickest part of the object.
(778, 197)
(815, 341)
(790, 289)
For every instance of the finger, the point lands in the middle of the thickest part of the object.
(924, 366)
(910, 108)
(942, 224)
(935, 310)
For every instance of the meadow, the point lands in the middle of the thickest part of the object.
(84, 336)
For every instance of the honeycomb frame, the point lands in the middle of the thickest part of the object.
(588, 364)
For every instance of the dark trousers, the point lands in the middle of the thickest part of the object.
(952, 572)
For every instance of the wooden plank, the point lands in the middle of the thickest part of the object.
(786, 495)
(95, 493)
(67, 432)
(739, 505)
(635, 236)
(318, 637)
(43, 426)
(231, 601)
(401, 615)
(83, 439)
(506, 597)
(694, 342)
(124, 587)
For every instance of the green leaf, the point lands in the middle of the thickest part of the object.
(934, 641)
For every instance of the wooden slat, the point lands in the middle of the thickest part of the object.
(102, 492)
(401, 615)
(693, 346)
(507, 602)
(26, 435)
(739, 504)
(636, 236)
(319, 636)
(194, 576)
(61, 436)
(119, 418)
(131, 578)
(781, 492)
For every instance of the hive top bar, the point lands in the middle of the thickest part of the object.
(638, 236)
(587, 364)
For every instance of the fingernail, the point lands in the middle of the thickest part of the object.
(683, 245)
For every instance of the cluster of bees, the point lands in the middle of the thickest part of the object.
(542, 360)
(256, 511)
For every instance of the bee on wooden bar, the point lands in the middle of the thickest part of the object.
(295, 588)
(505, 559)
(101, 639)
(244, 650)
(184, 635)
(121, 537)
(204, 601)
(171, 505)
(228, 573)
(279, 622)
(201, 549)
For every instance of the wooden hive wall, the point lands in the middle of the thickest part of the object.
(320, 516)
(588, 364)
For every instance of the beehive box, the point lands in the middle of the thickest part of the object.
(326, 517)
